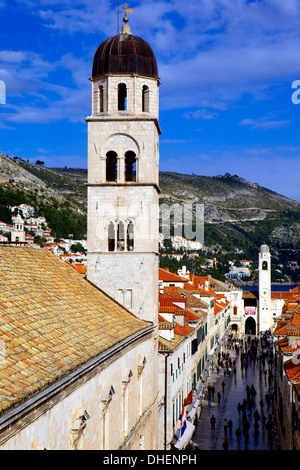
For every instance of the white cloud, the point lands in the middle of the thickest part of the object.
(264, 123)
(201, 114)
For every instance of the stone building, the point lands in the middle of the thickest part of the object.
(287, 373)
(76, 367)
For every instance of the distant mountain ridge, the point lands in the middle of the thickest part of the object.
(237, 212)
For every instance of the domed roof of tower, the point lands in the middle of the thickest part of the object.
(124, 53)
(264, 248)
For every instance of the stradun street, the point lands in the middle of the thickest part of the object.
(228, 398)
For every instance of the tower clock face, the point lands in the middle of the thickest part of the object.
(265, 292)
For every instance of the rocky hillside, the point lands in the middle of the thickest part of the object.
(238, 213)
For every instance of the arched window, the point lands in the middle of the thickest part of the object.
(111, 237)
(264, 265)
(130, 166)
(100, 99)
(130, 237)
(121, 237)
(122, 97)
(145, 99)
(111, 166)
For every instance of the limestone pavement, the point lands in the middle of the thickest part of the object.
(207, 437)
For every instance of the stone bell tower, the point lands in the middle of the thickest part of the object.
(265, 320)
(123, 173)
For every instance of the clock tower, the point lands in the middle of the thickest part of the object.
(264, 289)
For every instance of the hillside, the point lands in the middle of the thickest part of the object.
(238, 213)
(57, 197)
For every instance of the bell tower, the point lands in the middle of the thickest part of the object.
(123, 173)
(264, 289)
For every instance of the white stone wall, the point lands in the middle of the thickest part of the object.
(139, 135)
(137, 270)
(118, 272)
(264, 291)
(127, 204)
(134, 85)
(184, 366)
(110, 424)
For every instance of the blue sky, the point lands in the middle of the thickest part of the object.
(226, 68)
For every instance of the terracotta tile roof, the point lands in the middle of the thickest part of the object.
(285, 295)
(183, 330)
(219, 307)
(80, 269)
(164, 324)
(292, 369)
(51, 321)
(169, 301)
(167, 276)
(192, 316)
(172, 309)
(198, 290)
(166, 345)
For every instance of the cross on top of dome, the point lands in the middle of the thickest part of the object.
(126, 28)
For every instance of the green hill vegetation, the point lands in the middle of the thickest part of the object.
(239, 215)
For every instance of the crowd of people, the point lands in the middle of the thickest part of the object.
(255, 352)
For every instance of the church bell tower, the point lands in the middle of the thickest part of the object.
(264, 289)
(123, 173)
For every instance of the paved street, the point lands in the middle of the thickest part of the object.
(206, 438)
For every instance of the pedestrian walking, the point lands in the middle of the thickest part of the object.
(223, 386)
(212, 422)
(256, 415)
(252, 392)
(219, 397)
(225, 426)
(261, 404)
(225, 444)
(246, 427)
(238, 434)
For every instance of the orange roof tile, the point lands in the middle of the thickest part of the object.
(167, 276)
(292, 369)
(183, 330)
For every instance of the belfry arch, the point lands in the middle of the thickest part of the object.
(130, 166)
